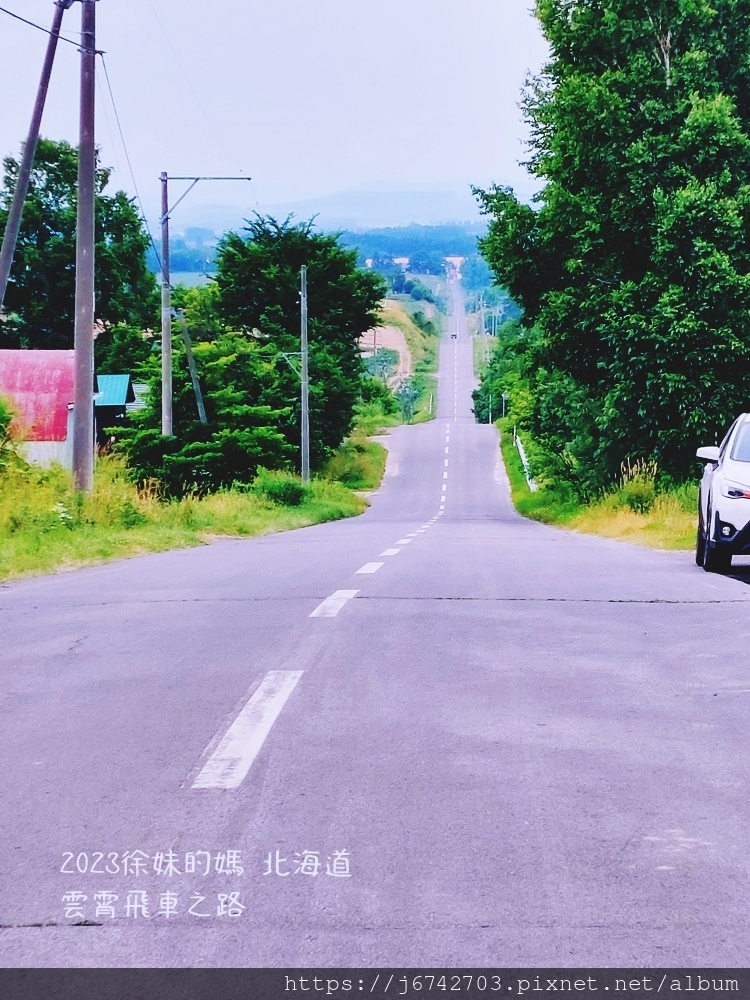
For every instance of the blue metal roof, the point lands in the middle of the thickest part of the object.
(114, 390)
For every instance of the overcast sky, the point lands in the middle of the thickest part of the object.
(309, 97)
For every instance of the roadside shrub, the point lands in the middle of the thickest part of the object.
(373, 390)
(638, 485)
(282, 488)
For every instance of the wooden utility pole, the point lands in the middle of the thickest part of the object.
(305, 400)
(83, 411)
(166, 314)
(13, 225)
(166, 304)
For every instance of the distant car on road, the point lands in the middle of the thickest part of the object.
(724, 500)
(454, 336)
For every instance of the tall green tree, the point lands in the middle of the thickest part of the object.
(635, 261)
(243, 429)
(258, 281)
(41, 294)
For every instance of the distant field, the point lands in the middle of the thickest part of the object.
(190, 278)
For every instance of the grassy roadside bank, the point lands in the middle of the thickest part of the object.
(423, 340)
(45, 527)
(629, 513)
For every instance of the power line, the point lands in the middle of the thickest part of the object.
(197, 99)
(39, 27)
(128, 160)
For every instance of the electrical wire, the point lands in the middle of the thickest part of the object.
(129, 162)
(39, 27)
(197, 99)
(114, 142)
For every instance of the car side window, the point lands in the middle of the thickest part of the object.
(741, 449)
(725, 443)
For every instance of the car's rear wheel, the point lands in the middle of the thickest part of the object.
(715, 560)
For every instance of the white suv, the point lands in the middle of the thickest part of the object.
(724, 500)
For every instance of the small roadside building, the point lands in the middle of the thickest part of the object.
(39, 387)
(113, 397)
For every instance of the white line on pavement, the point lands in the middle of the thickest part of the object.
(228, 765)
(390, 552)
(333, 604)
(372, 567)
(404, 541)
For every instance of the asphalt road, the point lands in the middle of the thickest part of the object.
(530, 745)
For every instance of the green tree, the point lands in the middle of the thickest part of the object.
(41, 294)
(635, 262)
(123, 350)
(258, 281)
(242, 433)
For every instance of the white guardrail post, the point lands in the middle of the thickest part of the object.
(524, 461)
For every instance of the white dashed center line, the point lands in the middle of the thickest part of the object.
(228, 765)
(403, 541)
(333, 604)
(390, 552)
(372, 567)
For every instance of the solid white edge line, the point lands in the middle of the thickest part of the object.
(228, 765)
(371, 567)
(331, 606)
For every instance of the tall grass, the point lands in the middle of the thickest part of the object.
(359, 463)
(637, 508)
(45, 525)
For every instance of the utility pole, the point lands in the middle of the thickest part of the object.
(166, 314)
(166, 300)
(83, 405)
(305, 415)
(13, 225)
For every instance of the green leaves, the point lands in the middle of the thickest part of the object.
(247, 359)
(258, 281)
(41, 292)
(635, 262)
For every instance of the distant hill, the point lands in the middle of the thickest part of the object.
(425, 246)
(350, 210)
(416, 242)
